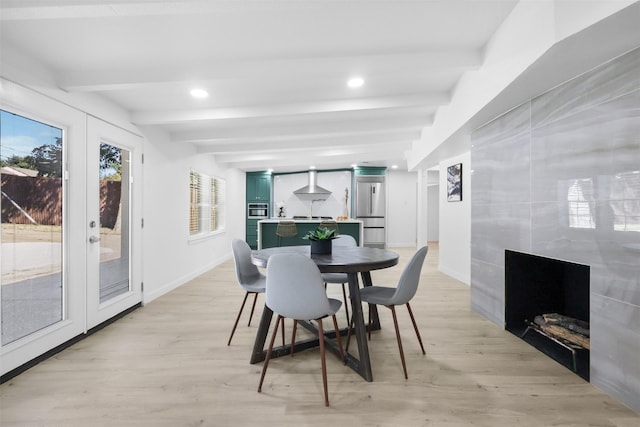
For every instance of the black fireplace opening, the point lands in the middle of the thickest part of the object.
(540, 289)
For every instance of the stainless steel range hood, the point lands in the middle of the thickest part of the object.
(313, 189)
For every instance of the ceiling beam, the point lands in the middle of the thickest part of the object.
(365, 139)
(312, 127)
(426, 62)
(291, 110)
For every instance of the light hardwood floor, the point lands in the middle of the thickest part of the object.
(167, 364)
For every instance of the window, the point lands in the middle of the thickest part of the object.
(32, 285)
(206, 208)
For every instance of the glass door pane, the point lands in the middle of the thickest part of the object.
(114, 221)
(31, 284)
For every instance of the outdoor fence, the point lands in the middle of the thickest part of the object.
(28, 200)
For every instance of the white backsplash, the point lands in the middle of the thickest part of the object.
(333, 206)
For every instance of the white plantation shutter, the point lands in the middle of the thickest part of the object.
(218, 197)
(194, 198)
(207, 204)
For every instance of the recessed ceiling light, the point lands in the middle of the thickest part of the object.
(355, 82)
(199, 93)
(394, 166)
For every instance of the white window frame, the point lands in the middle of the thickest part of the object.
(207, 207)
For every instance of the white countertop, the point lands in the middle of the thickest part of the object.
(275, 220)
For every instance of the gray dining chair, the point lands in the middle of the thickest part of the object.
(295, 290)
(249, 278)
(402, 294)
(342, 278)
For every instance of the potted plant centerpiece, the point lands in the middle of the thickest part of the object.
(320, 239)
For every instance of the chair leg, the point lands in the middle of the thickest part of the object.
(346, 302)
(338, 339)
(282, 331)
(323, 362)
(395, 323)
(237, 318)
(253, 307)
(370, 322)
(415, 327)
(266, 360)
(293, 335)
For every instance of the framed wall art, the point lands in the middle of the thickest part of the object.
(454, 183)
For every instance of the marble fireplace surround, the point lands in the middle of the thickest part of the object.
(559, 176)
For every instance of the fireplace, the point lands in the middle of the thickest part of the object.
(537, 286)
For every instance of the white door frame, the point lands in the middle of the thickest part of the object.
(99, 131)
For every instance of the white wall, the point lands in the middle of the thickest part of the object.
(402, 206)
(433, 213)
(455, 223)
(170, 258)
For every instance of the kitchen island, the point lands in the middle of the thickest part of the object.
(267, 231)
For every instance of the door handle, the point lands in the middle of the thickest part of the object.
(94, 239)
(371, 200)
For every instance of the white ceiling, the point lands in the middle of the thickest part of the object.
(276, 71)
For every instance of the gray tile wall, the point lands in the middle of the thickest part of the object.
(559, 176)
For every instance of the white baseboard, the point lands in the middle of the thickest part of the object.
(455, 274)
(147, 297)
(401, 244)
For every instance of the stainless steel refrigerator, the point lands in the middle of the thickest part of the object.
(370, 209)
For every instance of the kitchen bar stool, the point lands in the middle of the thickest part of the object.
(286, 229)
(329, 225)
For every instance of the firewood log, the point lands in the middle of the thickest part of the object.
(557, 331)
(575, 325)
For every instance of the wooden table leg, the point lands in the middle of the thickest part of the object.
(258, 353)
(362, 366)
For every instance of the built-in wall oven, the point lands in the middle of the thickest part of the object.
(257, 210)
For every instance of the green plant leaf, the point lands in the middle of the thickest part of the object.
(320, 233)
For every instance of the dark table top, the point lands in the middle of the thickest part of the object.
(341, 260)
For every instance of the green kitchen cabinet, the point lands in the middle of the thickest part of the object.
(258, 187)
(252, 233)
(270, 240)
(258, 190)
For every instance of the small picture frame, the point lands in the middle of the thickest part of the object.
(454, 183)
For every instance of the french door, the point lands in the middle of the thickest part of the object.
(71, 223)
(42, 288)
(114, 221)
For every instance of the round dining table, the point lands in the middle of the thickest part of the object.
(353, 261)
